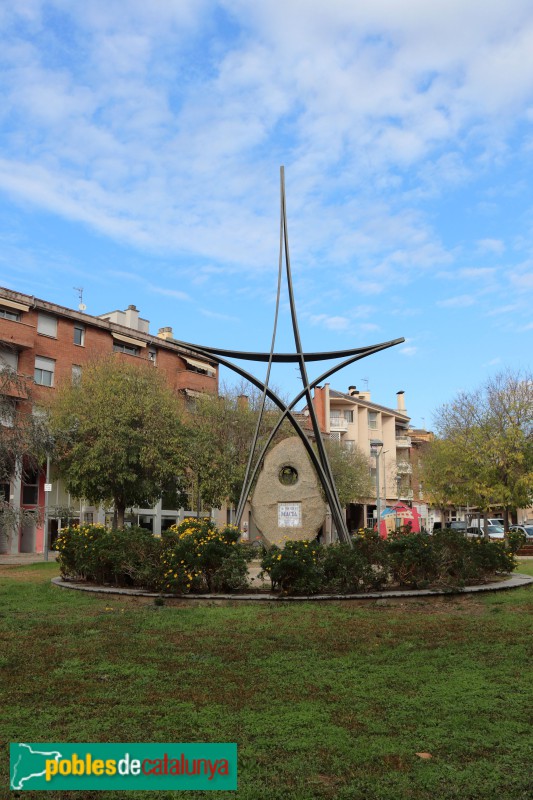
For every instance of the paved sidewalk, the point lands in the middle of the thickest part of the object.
(21, 559)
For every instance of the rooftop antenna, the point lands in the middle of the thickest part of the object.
(79, 290)
(365, 381)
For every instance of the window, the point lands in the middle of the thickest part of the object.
(348, 416)
(30, 488)
(122, 347)
(79, 335)
(199, 366)
(9, 359)
(7, 313)
(349, 444)
(47, 325)
(76, 374)
(152, 355)
(44, 371)
(373, 420)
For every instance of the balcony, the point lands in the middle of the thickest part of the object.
(404, 468)
(16, 334)
(403, 441)
(338, 424)
(405, 494)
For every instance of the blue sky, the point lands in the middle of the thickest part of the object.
(140, 153)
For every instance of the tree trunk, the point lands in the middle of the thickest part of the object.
(120, 509)
(198, 498)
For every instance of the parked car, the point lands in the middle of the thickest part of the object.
(494, 531)
(456, 525)
(525, 529)
(478, 523)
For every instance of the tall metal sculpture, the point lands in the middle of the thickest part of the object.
(319, 458)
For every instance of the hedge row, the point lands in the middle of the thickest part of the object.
(195, 556)
(411, 560)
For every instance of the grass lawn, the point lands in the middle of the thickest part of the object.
(329, 700)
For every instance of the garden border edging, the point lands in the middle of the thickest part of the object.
(514, 581)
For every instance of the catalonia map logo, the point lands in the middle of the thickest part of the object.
(203, 766)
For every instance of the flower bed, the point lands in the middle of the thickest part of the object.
(192, 556)
(196, 556)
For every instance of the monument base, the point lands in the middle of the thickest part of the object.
(287, 502)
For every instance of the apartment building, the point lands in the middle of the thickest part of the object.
(419, 440)
(354, 420)
(48, 344)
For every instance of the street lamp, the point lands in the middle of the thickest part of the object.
(376, 446)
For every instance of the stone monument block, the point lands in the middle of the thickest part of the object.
(287, 502)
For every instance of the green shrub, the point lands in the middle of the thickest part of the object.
(516, 540)
(375, 551)
(295, 569)
(411, 559)
(460, 560)
(204, 557)
(128, 557)
(346, 570)
(196, 556)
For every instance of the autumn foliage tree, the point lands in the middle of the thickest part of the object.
(483, 452)
(119, 435)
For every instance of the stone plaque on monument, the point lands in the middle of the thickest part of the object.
(289, 515)
(287, 502)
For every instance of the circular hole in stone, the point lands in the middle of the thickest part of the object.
(288, 476)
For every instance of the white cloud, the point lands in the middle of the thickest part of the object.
(461, 301)
(174, 293)
(408, 351)
(502, 310)
(332, 323)
(216, 315)
(476, 273)
(368, 326)
(162, 125)
(495, 246)
(522, 280)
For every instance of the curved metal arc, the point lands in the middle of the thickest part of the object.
(329, 484)
(246, 487)
(280, 358)
(281, 405)
(242, 498)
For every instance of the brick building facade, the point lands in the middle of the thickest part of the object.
(49, 344)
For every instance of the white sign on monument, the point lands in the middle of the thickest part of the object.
(289, 515)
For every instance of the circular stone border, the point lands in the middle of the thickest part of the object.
(513, 582)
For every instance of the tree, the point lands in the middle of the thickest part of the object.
(351, 472)
(483, 455)
(220, 433)
(24, 443)
(119, 435)
(24, 436)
